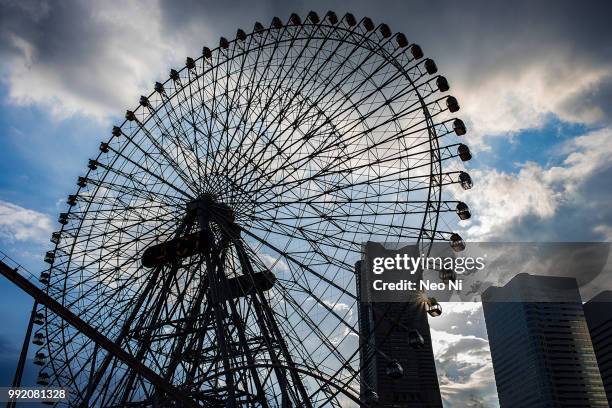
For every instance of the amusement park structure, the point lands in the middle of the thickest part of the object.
(207, 256)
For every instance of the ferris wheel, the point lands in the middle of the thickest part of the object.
(214, 236)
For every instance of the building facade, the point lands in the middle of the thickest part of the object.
(598, 313)
(392, 334)
(540, 344)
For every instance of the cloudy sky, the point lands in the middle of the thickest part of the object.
(534, 80)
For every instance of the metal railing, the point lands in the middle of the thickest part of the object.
(12, 263)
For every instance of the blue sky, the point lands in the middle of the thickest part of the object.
(534, 82)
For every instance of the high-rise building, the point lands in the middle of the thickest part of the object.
(540, 344)
(397, 363)
(598, 313)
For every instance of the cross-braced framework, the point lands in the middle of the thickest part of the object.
(215, 235)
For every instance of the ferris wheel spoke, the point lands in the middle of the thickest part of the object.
(292, 259)
(258, 87)
(277, 86)
(147, 169)
(298, 308)
(363, 227)
(287, 148)
(330, 310)
(187, 181)
(315, 329)
(369, 130)
(152, 174)
(193, 114)
(329, 208)
(185, 112)
(182, 143)
(290, 231)
(347, 97)
(322, 216)
(316, 73)
(118, 247)
(349, 169)
(139, 190)
(365, 181)
(171, 136)
(264, 310)
(332, 240)
(291, 327)
(255, 88)
(216, 160)
(141, 299)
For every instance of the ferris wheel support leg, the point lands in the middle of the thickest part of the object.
(23, 355)
(280, 372)
(229, 231)
(261, 303)
(220, 333)
(145, 341)
(261, 395)
(95, 379)
(92, 371)
(104, 342)
(194, 311)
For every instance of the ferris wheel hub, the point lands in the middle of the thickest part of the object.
(208, 208)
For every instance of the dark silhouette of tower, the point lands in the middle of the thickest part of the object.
(395, 337)
(598, 313)
(540, 345)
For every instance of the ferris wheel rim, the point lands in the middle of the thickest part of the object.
(218, 49)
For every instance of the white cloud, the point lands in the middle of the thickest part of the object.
(104, 57)
(500, 199)
(467, 308)
(464, 368)
(585, 156)
(274, 263)
(511, 97)
(21, 224)
(604, 230)
(475, 391)
(339, 307)
(97, 57)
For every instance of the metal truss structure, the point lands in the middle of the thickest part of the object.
(207, 256)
